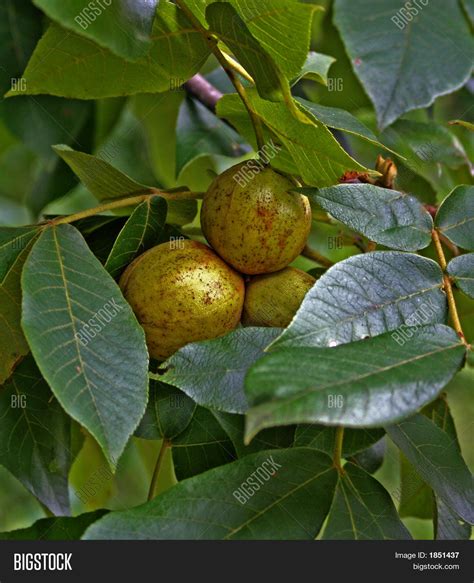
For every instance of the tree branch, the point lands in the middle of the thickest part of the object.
(203, 91)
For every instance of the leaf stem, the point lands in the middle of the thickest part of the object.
(338, 449)
(165, 444)
(316, 256)
(125, 202)
(237, 67)
(228, 68)
(448, 288)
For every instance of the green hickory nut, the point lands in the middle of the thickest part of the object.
(273, 299)
(182, 294)
(255, 225)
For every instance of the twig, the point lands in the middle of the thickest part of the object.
(338, 449)
(212, 42)
(448, 288)
(125, 202)
(165, 444)
(316, 256)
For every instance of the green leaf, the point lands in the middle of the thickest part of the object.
(315, 68)
(214, 505)
(203, 445)
(282, 28)
(64, 528)
(231, 108)
(319, 157)
(20, 29)
(35, 437)
(85, 338)
(84, 70)
(388, 217)
(226, 23)
(144, 228)
(427, 54)
(455, 217)
(106, 182)
(212, 372)
(168, 413)
(13, 344)
(462, 270)
(437, 458)
(199, 133)
(323, 438)
(367, 295)
(121, 26)
(98, 176)
(362, 510)
(273, 438)
(354, 384)
(340, 119)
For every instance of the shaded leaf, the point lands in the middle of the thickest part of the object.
(462, 270)
(273, 438)
(430, 53)
(323, 438)
(212, 372)
(455, 217)
(437, 458)
(123, 27)
(144, 228)
(362, 384)
(362, 510)
(199, 133)
(13, 240)
(13, 344)
(85, 338)
(64, 528)
(388, 217)
(367, 295)
(35, 437)
(20, 29)
(372, 458)
(44, 120)
(168, 413)
(448, 526)
(203, 445)
(428, 150)
(205, 507)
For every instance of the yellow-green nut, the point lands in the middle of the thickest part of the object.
(182, 293)
(273, 299)
(253, 221)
